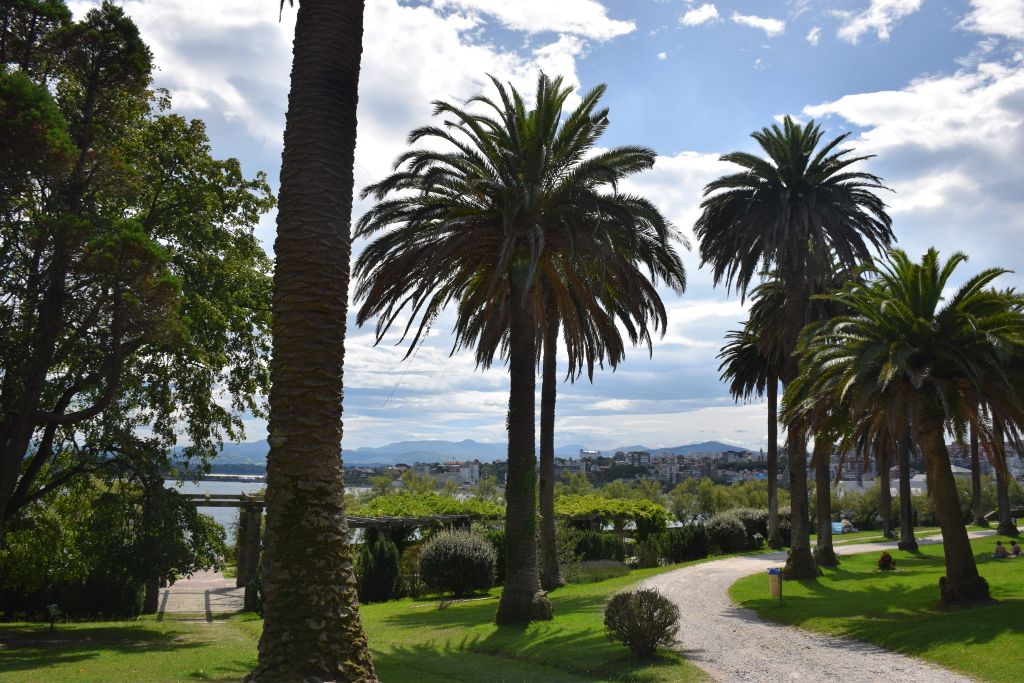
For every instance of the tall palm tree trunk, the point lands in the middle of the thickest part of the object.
(800, 564)
(885, 495)
(1006, 525)
(907, 541)
(962, 584)
(976, 510)
(312, 629)
(774, 535)
(551, 574)
(824, 553)
(521, 600)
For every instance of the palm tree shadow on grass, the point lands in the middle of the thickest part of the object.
(33, 648)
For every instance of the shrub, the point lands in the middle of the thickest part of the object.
(599, 570)
(684, 543)
(497, 539)
(409, 565)
(642, 619)
(726, 532)
(378, 570)
(457, 562)
(596, 545)
(886, 562)
(649, 552)
(567, 538)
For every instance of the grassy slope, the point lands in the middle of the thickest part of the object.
(900, 611)
(411, 641)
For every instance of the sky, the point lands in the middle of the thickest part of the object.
(934, 89)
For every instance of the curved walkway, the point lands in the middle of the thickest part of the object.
(734, 644)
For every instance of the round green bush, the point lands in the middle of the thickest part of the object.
(642, 619)
(727, 532)
(457, 562)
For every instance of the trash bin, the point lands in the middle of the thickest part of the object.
(775, 581)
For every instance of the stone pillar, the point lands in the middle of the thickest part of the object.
(248, 556)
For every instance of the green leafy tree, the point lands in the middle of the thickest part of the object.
(487, 489)
(573, 484)
(311, 627)
(924, 359)
(380, 484)
(418, 482)
(133, 292)
(797, 209)
(511, 212)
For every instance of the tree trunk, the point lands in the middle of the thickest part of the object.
(962, 584)
(151, 602)
(521, 600)
(774, 535)
(551, 574)
(1006, 526)
(979, 514)
(885, 497)
(907, 541)
(312, 629)
(824, 553)
(800, 564)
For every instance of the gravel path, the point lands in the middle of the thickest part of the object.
(734, 644)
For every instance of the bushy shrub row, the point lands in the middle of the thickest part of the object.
(457, 562)
(600, 545)
(744, 529)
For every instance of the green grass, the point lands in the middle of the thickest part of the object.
(900, 610)
(411, 641)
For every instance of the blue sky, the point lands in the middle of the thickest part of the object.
(934, 88)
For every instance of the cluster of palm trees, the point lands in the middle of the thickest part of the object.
(875, 359)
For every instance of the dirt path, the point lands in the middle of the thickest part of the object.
(734, 644)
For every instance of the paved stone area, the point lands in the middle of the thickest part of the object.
(205, 594)
(734, 644)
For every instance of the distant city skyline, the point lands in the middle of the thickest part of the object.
(935, 90)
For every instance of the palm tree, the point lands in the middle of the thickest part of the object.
(998, 451)
(750, 366)
(515, 206)
(801, 205)
(591, 335)
(909, 356)
(311, 623)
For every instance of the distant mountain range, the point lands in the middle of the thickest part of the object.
(255, 452)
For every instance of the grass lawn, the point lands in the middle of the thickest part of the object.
(410, 640)
(900, 610)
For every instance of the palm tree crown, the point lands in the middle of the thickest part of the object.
(800, 200)
(517, 195)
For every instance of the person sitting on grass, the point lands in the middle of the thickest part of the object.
(1014, 549)
(1001, 551)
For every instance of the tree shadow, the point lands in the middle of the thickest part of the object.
(39, 647)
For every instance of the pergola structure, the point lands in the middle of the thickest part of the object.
(250, 525)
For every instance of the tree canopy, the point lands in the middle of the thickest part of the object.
(134, 295)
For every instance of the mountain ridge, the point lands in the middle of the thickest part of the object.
(436, 450)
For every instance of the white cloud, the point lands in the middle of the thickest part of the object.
(996, 17)
(662, 56)
(880, 16)
(814, 35)
(772, 27)
(950, 146)
(701, 15)
(579, 17)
